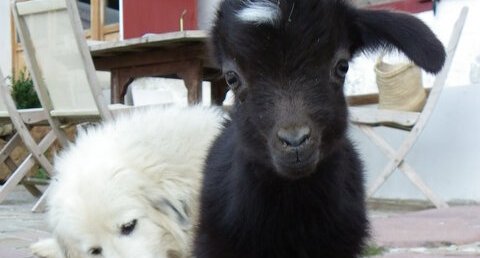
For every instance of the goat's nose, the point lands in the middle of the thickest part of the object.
(294, 137)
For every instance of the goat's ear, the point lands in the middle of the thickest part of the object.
(385, 29)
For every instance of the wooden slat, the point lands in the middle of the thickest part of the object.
(374, 116)
(86, 112)
(33, 116)
(40, 6)
(111, 28)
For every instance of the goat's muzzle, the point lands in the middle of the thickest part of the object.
(294, 151)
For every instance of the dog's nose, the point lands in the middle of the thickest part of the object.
(294, 137)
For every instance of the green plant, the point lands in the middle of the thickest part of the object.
(23, 92)
(373, 250)
(41, 174)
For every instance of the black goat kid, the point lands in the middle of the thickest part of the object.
(283, 179)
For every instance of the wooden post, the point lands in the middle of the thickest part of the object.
(13, 40)
(96, 18)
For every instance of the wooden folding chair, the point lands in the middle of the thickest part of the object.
(59, 61)
(60, 64)
(23, 120)
(413, 122)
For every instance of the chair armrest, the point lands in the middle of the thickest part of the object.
(373, 116)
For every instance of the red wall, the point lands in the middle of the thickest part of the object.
(157, 16)
(411, 6)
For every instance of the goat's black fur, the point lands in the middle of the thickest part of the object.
(264, 199)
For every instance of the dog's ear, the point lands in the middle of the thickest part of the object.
(47, 248)
(373, 29)
(177, 210)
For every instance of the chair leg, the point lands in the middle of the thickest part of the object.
(16, 177)
(8, 148)
(417, 181)
(385, 147)
(403, 166)
(30, 188)
(41, 204)
(28, 163)
(44, 144)
(39, 150)
(33, 190)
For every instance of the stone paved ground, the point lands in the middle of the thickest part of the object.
(18, 226)
(452, 232)
(433, 233)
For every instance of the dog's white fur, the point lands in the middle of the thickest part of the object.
(144, 166)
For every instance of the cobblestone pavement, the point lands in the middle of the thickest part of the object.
(452, 232)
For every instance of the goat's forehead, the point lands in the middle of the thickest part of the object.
(279, 30)
(258, 12)
(277, 12)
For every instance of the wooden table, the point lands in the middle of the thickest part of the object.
(180, 54)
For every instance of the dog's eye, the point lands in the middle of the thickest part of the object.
(127, 228)
(341, 68)
(95, 251)
(233, 80)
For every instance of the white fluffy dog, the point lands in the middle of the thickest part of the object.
(129, 188)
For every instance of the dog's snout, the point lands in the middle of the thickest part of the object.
(295, 136)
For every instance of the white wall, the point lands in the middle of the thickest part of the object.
(446, 155)
(5, 43)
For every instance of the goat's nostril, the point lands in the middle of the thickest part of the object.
(294, 137)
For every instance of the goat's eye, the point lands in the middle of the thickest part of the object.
(127, 228)
(341, 68)
(233, 80)
(95, 251)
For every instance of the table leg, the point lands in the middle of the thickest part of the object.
(119, 83)
(115, 88)
(219, 90)
(192, 77)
